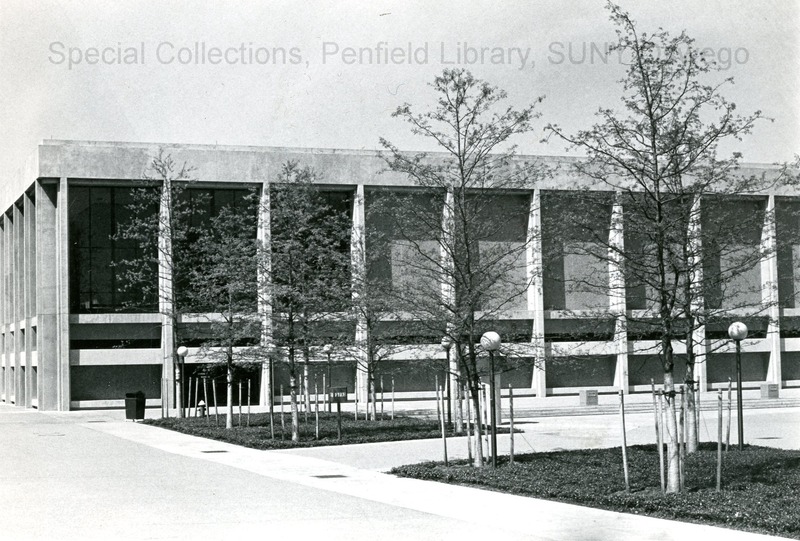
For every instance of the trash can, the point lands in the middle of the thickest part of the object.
(134, 405)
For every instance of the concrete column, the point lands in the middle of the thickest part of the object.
(617, 301)
(535, 293)
(30, 296)
(700, 346)
(62, 252)
(448, 290)
(52, 295)
(358, 264)
(166, 295)
(8, 326)
(19, 305)
(264, 236)
(3, 323)
(9, 308)
(769, 290)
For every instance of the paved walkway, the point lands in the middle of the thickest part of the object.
(92, 475)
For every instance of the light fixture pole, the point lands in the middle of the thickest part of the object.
(271, 350)
(327, 349)
(446, 343)
(182, 352)
(490, 341)
(738, 332)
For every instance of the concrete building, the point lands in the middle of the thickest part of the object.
(65, 343)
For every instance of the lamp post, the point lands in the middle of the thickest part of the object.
(490, 341)
(271, 350)
(446, 344)
(182, 352)
(326, 349)
(738, 332)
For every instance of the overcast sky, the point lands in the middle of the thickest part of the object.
(300, 74)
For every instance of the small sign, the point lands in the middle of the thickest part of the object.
(338, 394)
(588, 397)
(770, 390)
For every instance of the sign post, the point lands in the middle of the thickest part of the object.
(338, 394)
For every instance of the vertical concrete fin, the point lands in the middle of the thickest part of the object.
(769, 289)
(19, 306)
(695, 263)
(445, 257)
(617, 301)
(358, 263)
(535, 293)
(29, 293)
(447, 264)
(264, 236)
(166, 298)
(62, 293)
(46, 297)
(6, 369)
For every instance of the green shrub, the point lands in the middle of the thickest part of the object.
(257, 434)
(760, 485)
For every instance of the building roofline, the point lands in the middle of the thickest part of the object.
(56, 158)
(269, 149)
(308, 150)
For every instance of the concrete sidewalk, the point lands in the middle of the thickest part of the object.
(354, 471)
(557, 406)
(767, 427)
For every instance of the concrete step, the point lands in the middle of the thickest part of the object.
(706, 404)
(642, 407)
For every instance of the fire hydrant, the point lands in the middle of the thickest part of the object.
(201, 409)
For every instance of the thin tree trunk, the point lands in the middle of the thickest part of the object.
(371, 397)
(692, 443)
(293, 406)
(229, 397)
(673, 452)
(306, 390)
(459, 407)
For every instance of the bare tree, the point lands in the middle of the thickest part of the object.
(456, 246)
(658, 157)
(156, 225)
(222, 288)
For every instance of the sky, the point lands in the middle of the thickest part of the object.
(329, 74)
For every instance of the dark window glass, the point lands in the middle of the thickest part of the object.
(197, 209)
(96, 255)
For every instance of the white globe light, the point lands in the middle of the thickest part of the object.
(737, 330)
(490, 341)
(183, 351)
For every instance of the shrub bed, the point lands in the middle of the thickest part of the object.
(257, 435)
(759, 485)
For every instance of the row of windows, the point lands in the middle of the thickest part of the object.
(113, 270)
(576, 271)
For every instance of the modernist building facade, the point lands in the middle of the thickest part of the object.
(65, 344)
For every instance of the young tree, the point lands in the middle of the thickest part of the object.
(659, 158)
(156, 225)
(310, 268)
(222, 287)
(456, 246)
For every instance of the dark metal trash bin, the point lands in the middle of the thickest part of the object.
(134, 405)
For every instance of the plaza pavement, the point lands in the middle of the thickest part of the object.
(93, 475)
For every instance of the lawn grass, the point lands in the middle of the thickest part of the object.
(258, 436)
(761, 486)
